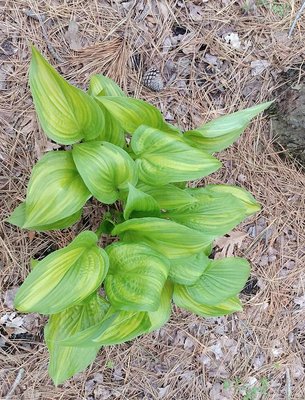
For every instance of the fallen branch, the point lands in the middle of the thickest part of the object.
(15, 384)
(41, 19)
(297, 17)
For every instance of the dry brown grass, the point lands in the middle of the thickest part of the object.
(191, 358)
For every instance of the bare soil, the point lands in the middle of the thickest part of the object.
(214, 57)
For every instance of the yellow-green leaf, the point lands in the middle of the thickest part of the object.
(65, 277)
(113, 132)
(117, 327)
(183, 299)
(131, 113)
(187, 271)
(248, 201)
(164, 158)
(105, 168)
(214, 213)
(222, 279)
(55, 194)
(65, 361)
(159, 317)
(18, 218)
(136, 277)
(66, 113)
(101, 85)
(172, 240)
(139, 203)
(221, 132)
(169, 196)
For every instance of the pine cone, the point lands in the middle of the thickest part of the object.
(153, 79)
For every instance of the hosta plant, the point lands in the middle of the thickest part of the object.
(123, 153)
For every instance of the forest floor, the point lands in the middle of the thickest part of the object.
(215, 57)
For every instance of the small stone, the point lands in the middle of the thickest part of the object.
(242, 178)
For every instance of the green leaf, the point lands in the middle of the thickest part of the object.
(131, 113)
(167, 237)
(126, 326)
(139, 203)
(248, 201)
(112, 133)
(136, 277)
(214, 213)
(33, 263)
(187, 271)
(66, 113)
(221, 132)
(65, 277)
(222, 279)
(101, 85)
(184, 300)
(164, 158)
(65, 361)
(105, 168)
(159, 317)
(55, 194)
(18, 218)
(169, 196)
(117, 327)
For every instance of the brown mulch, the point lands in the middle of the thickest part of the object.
(214, 57)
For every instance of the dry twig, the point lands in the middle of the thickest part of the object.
(15, 384)
(297, 17)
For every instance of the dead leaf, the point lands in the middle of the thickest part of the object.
(258, 66)
(227, 243)
(12, 323)
(163, 391)
(51, 146)
(163, 9)
(72, 36)
(213, 60)
(9, 297)
(31, 235)
(196, 12)
(233, 40)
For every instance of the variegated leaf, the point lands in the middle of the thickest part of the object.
(247, 200)
(159, 317)
(131, 113)
(105, 168)
(117, 327)
(214, 214)
(220, 133)
(65, 361)
(101, 85)
(136, 277)
(113, 132)
(139, 203)
(64, 278)
(66, 113)
(18, 218)
(187, 271)
(56, 193)
(184, 300)
(169, 196)
(221, 280)
(164, 158)
(167, 237)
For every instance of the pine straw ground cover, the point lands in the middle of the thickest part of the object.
(256, 354)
